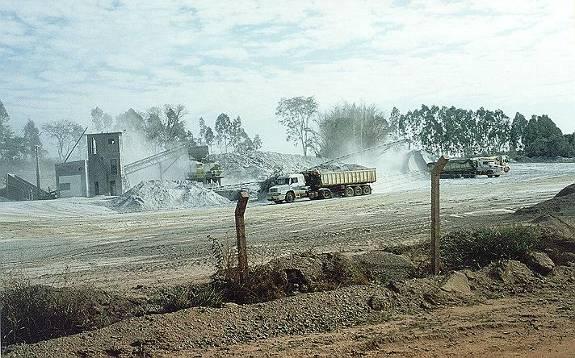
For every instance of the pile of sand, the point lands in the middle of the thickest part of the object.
(167, 195)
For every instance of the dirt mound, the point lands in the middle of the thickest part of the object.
(167, 195)
(569, 190)
(563, 203)
(381, 266)
(558, 236)
(557, 226)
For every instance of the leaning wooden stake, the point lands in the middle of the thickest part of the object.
(241, 234)
(435, 218)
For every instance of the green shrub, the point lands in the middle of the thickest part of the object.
(478, 248)
(261, 284)
(31, 313)
(176, 298)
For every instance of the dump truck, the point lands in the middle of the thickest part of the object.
(472, 167)
(317, 184)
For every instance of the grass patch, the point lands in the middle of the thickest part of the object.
(32, 313)
(269, 282)
(478, 248)
(261, 284)
(175, 298)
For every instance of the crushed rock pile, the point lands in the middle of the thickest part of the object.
(167, 195)
(336, 166)
(258, 166)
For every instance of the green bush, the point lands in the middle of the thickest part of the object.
(31, 313)
(261, 284)
(176, 298)
(478, 248)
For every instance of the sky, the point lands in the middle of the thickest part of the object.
(59, 59)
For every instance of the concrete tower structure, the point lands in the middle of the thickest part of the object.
(104, 164)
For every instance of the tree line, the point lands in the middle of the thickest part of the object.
(460, 132)
(346, 127)
(162, 126)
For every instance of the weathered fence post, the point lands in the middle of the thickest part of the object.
(241, 234)
(435, 218)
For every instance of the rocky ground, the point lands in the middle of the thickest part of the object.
(506, 308)
(82, 241)
(500, 301)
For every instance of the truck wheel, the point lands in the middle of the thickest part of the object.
(349, 191)
(366, 190)
(326, 194)
(290, 197)
(358, 191)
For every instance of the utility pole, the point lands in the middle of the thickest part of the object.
(435, 218)
(36, 148)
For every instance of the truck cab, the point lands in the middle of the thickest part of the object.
(492, 166)
(288, 188)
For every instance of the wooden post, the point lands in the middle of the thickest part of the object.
(241, 234)
(435, 218)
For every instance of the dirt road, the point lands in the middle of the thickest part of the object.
(79, 240)
(518, 327)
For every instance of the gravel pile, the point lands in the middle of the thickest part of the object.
(335, 166)
(167, 195)
(257, 166)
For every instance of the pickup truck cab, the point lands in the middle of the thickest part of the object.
(288, 188)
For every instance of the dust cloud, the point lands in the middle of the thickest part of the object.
(399, 168)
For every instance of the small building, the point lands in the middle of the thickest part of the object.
(71, 179)
(104, 164)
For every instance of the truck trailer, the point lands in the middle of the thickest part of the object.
(317, 184)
